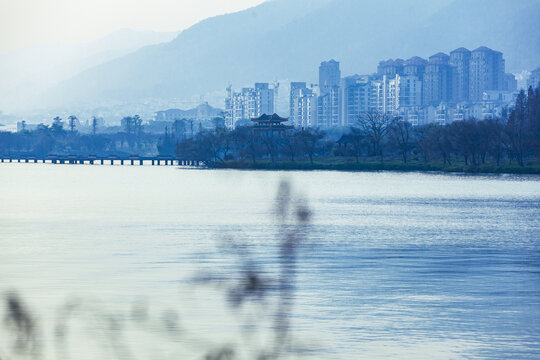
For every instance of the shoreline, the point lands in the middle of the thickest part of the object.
(375, 167)
(338, 167)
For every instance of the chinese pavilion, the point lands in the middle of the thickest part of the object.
(270, 123)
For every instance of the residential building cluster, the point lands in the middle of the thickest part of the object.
(441, 89)
(249, 103)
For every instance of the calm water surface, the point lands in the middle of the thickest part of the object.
(401, 266)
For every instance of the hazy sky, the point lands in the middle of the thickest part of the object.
(29, 22)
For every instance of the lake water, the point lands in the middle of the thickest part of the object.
(392, 266)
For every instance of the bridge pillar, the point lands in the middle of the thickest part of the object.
(140, 162)
(91, 162)
(132, 162)
(112, 162)
(158, 161)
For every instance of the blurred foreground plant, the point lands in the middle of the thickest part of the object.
(261, 302)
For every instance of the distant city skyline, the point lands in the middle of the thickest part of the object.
(441, 89)
(25, 23)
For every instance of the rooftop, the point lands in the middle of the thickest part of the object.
(416, 60)
(439, 55)
(482, 48)
(461, 49)
(274, 118)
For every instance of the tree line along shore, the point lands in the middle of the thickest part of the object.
(509, 144)
(378, 141)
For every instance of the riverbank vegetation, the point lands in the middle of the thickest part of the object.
(63, 138)
(509, 144)
(377, 141)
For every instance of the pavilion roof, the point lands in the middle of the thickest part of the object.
(274, 118)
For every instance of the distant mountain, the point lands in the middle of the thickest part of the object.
(26, 73)
(287, 39)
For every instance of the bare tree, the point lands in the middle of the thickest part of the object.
(401, 136)
(291, 147)
(375, 125)
(357, 139)
(309, 142)
(516, 128)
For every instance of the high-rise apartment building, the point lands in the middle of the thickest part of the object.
(303, 105)
(437, 82)
(390, 68)
(409, 91)
(415, 66)
(355, 101)
(510, 83)
(534, 79)
(384, 95)
(329, 101)
(234, 110)
(264, 99)
(248, 104)
(306, 109)
(461, 59)
(296, 89)
(486, 72)
(329, 76)
(329, 108)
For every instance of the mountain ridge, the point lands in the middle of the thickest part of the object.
(277, 40)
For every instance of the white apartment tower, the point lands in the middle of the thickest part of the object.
(248, 104)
